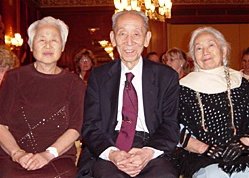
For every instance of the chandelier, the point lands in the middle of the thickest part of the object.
(154, 9)
(107, 47)
(13, 41)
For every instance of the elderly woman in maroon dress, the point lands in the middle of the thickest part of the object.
(41, 109)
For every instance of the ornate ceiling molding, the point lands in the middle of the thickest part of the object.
(75, 3)
(205, 2)
(99, 3)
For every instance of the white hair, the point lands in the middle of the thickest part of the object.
(138, 13)
(217, 34)
(63, 28)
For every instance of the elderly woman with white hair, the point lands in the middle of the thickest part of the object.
(41, 109)
(213, 112)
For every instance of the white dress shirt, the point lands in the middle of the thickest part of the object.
(137, 83)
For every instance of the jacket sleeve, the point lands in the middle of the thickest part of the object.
(94, 134)
(166, 132)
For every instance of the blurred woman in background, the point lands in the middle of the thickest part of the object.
(245, 63)
(177, 59)
(84, 61)
(8, 60)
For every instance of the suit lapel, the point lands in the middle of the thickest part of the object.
(112, 90)
(150, 92)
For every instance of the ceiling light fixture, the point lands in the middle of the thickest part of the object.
(155, 9)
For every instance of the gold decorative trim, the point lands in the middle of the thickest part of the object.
(100, 3)
(75, 3)
(205, 2)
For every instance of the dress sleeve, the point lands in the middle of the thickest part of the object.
(188, 115)
(76, 104)
(245, 128)
(7, 93)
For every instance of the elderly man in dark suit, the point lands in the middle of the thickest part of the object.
(130, 124)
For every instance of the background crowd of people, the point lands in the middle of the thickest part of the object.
(187, 112)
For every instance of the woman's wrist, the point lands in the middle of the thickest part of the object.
(202, 148)
(14, 154)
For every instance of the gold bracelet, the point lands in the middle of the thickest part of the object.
(15, 153)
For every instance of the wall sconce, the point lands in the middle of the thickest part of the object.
(107, 47)
(93, 30)
(13, 42)
(109, 50)
(103, 43)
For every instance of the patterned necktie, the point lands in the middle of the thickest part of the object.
(129, 115)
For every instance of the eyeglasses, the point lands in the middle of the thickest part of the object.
(85, 60)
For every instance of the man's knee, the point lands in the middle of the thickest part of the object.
(104, 169)
(159, 168)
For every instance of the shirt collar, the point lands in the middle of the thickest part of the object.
(136, 70)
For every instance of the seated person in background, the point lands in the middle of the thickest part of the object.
(41, 109)
(245, 63)
(130, 127)
(177, 59)
(153, 56)
(7, 61)
(214, 114)
(84, 61)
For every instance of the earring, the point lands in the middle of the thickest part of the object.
(225, 62)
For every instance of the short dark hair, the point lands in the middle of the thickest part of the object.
(80, 54)
(245, 52)
(151, 53)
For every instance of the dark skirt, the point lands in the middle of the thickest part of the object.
(58, 168)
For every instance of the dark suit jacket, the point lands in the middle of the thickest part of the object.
(160, 98)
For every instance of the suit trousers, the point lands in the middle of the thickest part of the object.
(160, 167)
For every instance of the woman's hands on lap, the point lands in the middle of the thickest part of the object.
(21, 157)
(32, 161)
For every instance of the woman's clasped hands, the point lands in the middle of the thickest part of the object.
(31, 161)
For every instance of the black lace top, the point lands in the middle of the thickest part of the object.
(217, 120)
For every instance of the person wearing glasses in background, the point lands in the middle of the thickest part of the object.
(84, 61)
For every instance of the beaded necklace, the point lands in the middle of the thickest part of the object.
(230, 104)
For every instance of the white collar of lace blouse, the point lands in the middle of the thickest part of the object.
(211, 81)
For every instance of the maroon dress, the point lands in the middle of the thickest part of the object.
(38, 108)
